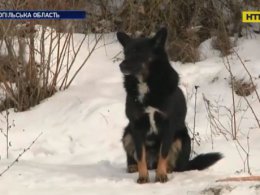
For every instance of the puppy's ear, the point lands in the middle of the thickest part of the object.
(123, 38)
(160, 37)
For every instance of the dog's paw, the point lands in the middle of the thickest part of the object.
(132, 168)
(161, 178)
(143, 179)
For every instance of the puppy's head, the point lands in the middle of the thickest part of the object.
(140, 52)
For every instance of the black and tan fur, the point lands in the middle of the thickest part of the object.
(156, 136)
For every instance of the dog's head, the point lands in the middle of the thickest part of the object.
(141, 52)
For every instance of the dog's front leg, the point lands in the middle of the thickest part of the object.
(142, 168)
(141, 158)
(163, 123)
(161, 171)
(139, 130)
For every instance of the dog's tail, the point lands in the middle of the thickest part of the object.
(203, 161)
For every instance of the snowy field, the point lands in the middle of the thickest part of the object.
(80, 151)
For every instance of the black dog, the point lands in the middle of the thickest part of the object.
(156, 136)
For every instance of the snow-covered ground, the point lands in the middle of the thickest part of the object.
(80, 150)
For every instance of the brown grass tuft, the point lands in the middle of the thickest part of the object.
(243, 88)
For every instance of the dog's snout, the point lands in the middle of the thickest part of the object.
(129, 67)
(123, 68)
(122, 65)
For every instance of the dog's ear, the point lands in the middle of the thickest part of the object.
(123, 38)
(160, 37)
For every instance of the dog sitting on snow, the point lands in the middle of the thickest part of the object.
(156, 136)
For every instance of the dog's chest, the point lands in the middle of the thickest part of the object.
(143, 90)
(151, 114)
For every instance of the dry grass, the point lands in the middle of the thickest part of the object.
(222, 41)
(188, 22)
(22, 89)
(6, 69)
(217, 190)
(243, 88)
(185, 49)
(25, 81)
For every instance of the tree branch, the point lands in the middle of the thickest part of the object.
(19, 156)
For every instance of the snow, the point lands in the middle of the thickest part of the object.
(80, 150)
